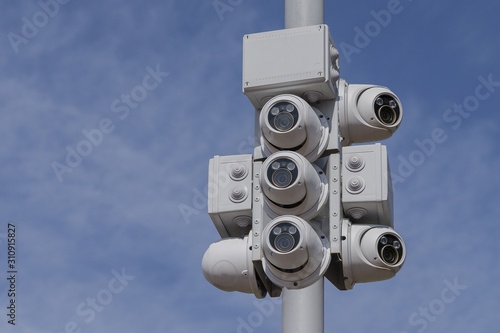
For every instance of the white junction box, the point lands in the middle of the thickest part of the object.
(301, 61)
(366, 185)
(230, 194)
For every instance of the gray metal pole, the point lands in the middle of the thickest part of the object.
(303, 309)
(302, 13)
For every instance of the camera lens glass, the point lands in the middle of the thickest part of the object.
(390, 249)
(282, 178)
(284, 237)
(283, 122)
(284, 243)
(283, 116)
(390, 254)
(387, 115)
(282, 173)
(387, 109)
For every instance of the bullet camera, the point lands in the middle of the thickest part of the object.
(288, 122)
(370, 253)
(367, 112)
(292, 185)
(227, 264)
(295, 255)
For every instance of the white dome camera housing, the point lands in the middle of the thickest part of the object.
(292, 185)
(371, 253)
(227, 264)
(288, 122)
(295, 254)
(367, 113)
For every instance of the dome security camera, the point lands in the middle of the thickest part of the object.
(370, 253)
(292, 185)
(295, 254)
(367, 112)
(227, 264)
(288, 122)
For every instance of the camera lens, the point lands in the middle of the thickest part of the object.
(387, 109)
(390, 249)
(282, 178)
(283, 116)
(390, 255)
(284, 237)
(283, 121)
(284, 242)
(387, 115)
(282, 173)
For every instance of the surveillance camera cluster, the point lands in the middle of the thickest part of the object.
(307, 204)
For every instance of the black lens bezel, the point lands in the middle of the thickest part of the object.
(283, 165)
(285, 227)
(386, 101)
(282, 109)
(388, 245)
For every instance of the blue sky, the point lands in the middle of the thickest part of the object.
(157, 86)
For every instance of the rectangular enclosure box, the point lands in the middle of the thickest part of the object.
(300, 61)
(230, 194)
(366, 185)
